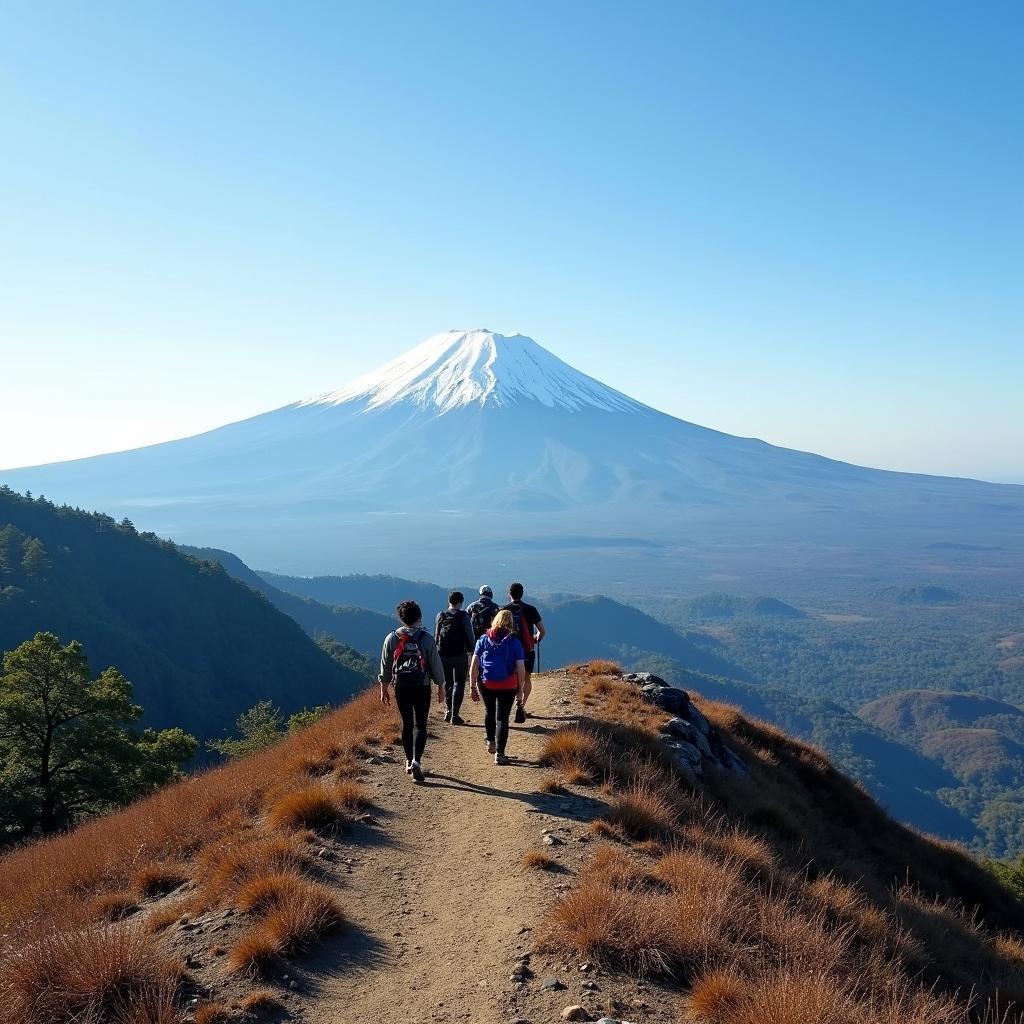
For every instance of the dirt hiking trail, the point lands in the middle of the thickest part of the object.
(439, 907)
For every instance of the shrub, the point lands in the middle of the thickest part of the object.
(113, 906)
(261, 1000)
(212, 1013)
(540, 861)
(642, 811)
(310, 807)
(159, 879)
(90, 973)
(577, 753)
(255, 952)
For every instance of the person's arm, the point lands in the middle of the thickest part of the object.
(436, 668)
(541, 632)
(521, 676)
(437, 628)
(474, 677)
(386, 670)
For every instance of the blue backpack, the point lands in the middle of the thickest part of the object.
(497, 660)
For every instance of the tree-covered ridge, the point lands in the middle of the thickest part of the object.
(67, 749)
(199, 646)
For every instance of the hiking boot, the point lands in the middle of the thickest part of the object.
(458, 720)
(408, 767)
(447, 716)
(417, 771)
(491, 746)
(500, 759)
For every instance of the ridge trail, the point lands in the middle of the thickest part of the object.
(438, 903)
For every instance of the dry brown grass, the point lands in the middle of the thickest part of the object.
(52, 893)
(159, 879)
(551, 784)
(212, 1013)
(113, 906)
(103, 973)
(577, 754)
(255, 952)
(539, 861)
(783, 897)
(642, 811)
(598, 667)
(260, 1001)
(314, 806)
(162, 918)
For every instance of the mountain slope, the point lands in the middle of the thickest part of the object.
(476, 441)
(787, 894)
(198, 646)
(357, 627)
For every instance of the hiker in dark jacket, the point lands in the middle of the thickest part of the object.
(482, 611)
(409, 659)
(453, 634)
(528, 626)
(497, 675)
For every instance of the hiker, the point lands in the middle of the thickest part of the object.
(527, 625)
(482, 611)
(409, 658)
(453, 634)
(497, 675)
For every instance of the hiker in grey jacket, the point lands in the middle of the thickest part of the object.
(453, 634)
(409, 660)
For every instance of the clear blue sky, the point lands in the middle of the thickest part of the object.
(799, 221)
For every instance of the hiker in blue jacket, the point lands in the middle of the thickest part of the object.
(497, 675)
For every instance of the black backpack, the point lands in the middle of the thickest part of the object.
(521, 628)
(410, 663)
(481, 616)
(451, 641)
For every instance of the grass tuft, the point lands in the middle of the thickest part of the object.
(312, 806)
(539, 861)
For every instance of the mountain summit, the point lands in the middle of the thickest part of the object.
(478, 367)
(475, 443)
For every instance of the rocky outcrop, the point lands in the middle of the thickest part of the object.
(694, 743)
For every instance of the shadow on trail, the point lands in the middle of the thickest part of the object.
(351, 949)
(579, 806)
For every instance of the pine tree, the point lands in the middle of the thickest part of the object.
(64, 741)
(34, 559)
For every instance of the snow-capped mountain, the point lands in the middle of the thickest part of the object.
(459, 368)
(474, 440)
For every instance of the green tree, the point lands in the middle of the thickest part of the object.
(262, 726)
(66, 748)
(34, 559)
(258, 728)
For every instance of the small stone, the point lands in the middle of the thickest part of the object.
(367, 819)
(551, 985)
(608, 1020)
(293, 985)
(553, 841)
(520, 1020)
(590, 986)
(575, 1013)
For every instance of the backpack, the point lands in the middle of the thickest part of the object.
(497, 659)
(409, 661)
(521, 628)
(481, 615)
(451, 641)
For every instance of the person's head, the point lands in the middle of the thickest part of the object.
(485, 591)
(409, 613)
(515, 591)
(455, 598)
(503, 622)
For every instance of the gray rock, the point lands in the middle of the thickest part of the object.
(668, 698)
(699, 720)
(553, 841)
(551, 985)
(701, 743)
(680, 728)
(644, 679)
(687, 751)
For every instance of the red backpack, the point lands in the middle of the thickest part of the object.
(522, 628)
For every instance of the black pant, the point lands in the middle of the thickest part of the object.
(456, 672)
(499, 705)
(414, 707)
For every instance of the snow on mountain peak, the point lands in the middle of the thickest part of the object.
(478, 367)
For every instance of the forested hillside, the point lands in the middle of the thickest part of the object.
(198, 646)
(359, 628)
